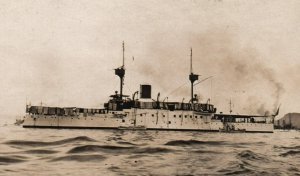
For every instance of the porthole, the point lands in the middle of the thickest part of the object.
(174, 115)
(141, 114)
(152, 115)
(179, 116)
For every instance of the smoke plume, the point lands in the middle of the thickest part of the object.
(240, 71)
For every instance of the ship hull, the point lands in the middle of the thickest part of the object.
(143, 119)
(157, 129)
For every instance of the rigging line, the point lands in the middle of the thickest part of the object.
(129, 81)
(128, 88)
(177, 89)
(211, 82)
(203, 80)
(116, 86)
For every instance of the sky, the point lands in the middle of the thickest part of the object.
(63, 52)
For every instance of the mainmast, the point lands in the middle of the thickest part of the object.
(230, 106)
(121, 73)
(193, 77)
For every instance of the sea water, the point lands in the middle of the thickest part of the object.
(28, 151)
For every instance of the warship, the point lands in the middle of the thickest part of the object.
(141, 112)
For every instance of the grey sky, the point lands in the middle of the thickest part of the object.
(63, 52)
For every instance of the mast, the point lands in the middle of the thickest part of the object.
(191, 61)
(123, 46)
(193, 77)
(230, 106)
(121, 72)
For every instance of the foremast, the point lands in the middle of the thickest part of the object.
(121, 73)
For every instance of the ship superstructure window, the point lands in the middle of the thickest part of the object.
(191, 116)
(174, 115)
(195, 116)
(141, 114)
(179, 116)
(164, 115)
(185, 116)
(152, 115)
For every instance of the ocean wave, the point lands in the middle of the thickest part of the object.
(11, 159)
(290, 153)
(294, 169)
(40, 151)
(117, 138)
(80, 158)
(193, 142)
(125, 143)
(40, 144)
(98, 148)
(79, 138)
(250, 155)
(246, 144)
(245, 165)
(138, 156)
(289, 148)
(245, 168)
(236, 168)
(119, 149)
(206, 151)
(153, 150)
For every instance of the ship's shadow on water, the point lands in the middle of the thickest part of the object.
(121, 152)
